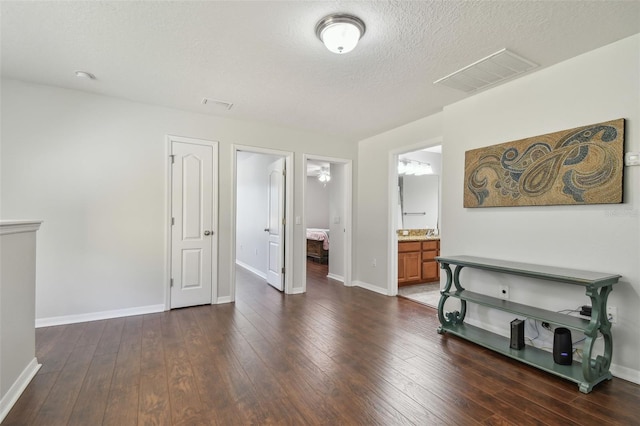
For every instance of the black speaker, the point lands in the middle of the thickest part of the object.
(517, 334)
(562, 346)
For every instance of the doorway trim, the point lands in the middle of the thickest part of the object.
(288, 208)
(392, 248)
(169, 139)
(348, 215)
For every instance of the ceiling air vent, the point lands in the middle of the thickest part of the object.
(217, 103)
(493, 69)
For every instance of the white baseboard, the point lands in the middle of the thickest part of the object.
(297, 290)
(221, 300)
(625, 373)
(336, 277)
(370, 287)
(16, 389)
(95, 316)
(251, 269)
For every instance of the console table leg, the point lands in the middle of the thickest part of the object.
(596, 369)
(455, 317)
(443, 298)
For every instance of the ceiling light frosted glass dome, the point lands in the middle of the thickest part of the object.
(340, 33)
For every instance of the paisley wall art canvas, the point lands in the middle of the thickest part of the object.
(576, 166)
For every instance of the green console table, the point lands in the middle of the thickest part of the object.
(588, 373)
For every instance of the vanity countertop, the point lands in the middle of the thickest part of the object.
(416, 238)
(416, 235)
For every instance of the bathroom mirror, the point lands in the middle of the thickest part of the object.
(419, 205)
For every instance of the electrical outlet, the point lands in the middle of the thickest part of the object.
(612, 314)
(504, 292)
(374, 263)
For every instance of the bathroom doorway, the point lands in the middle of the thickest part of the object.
(416, 224)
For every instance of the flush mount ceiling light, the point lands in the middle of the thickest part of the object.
(340, 33)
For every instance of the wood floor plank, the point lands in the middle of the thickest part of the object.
(91, 403)
(541, 413)
(265, 382)
(359, 350)
(387, 412)
(48, 339)
(110, 338)
(333, 356)
(154, 404)
(91, 333)
(206, 356)
(122, 402)
(55, 357)
(185, 400)
(28, 406)
(58, 406)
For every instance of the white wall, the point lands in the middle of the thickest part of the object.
(317, 200)
(595, 87)
(93, 168)
(372, 234)
(252, 211)
(336, 218)
(598, 86)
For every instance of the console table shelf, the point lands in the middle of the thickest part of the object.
(587, 374)
(551, 317)
(531, 356)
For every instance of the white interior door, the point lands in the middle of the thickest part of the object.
(192, 233)
(275, 227)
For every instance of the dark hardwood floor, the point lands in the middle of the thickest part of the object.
(335, 355)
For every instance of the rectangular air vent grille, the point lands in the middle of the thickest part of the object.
(493, 69)
(217, 103)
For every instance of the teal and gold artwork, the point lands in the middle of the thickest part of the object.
(576, 166)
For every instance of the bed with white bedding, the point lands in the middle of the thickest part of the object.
(318, 244)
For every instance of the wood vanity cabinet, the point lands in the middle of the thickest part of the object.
(409, 262)
(417, 263)
(430, 267)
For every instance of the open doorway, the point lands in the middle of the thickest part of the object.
(327, 218)
(417, 224)
(262, 202)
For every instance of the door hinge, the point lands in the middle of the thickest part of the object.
(173, 221)
(283, 269)
(284, 221)
(284, 172)
(171, 282)
(173, 158)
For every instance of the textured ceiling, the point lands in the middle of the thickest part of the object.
(264, 56)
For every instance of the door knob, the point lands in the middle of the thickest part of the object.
(266, 229)
(208, 232)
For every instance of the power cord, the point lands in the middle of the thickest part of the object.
(580, 311)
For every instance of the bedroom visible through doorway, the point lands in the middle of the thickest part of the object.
(327, 217)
